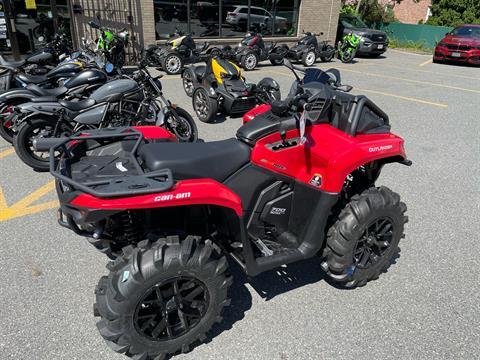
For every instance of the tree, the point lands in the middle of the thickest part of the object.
(455, 12)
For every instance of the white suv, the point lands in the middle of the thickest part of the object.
(238, 18)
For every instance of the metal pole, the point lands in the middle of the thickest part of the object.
(53, 5)
(11, 29)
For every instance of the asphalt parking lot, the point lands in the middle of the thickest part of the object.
(426, 306)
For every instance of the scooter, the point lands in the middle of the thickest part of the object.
(298, 181)
(308, 50)
(219, 86)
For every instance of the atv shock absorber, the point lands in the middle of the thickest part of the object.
(129, 226)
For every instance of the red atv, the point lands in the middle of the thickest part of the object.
(298, 181)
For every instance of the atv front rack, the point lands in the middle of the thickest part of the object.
(135, 182)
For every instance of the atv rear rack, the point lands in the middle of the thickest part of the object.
(138, 183)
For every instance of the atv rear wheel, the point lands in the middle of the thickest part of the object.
(249, 61)
(363, 242)
(161, 298)
(172, 64)
(205, 107)
(309, 58)
(187, 80)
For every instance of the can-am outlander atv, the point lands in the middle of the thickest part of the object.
(219, 86)
(297, 181)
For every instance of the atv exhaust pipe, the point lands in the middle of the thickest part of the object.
(45, 144)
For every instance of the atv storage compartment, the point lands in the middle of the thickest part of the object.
(114, 171)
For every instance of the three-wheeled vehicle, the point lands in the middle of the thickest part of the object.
(219, 87)
(308, 50)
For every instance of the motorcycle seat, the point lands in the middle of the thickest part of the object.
(55, 92)
(13, 64)
(32, 79)
(215, 160)
(42, 99)
(77, 105)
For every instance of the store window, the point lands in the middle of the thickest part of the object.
(227, 18)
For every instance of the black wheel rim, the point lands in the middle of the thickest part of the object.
(171, 308)
(188, 83)
(374, 243)
(182, 129)
(201, 105)
(35, 132)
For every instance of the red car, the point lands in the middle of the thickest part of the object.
(462, 44)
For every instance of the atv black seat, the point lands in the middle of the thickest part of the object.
(77, 105)
(214, 160)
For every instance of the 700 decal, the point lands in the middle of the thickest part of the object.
(184, 195)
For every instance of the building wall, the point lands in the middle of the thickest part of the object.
(314, 15)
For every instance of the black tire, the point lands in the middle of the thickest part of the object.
(359, 227)
(5, 131)
(22, 141)
(127, 300)
(205, 107)
(188, 77)
(309, 58)
(249, 61)
(328, 58)
(183, 127)
(172, 64)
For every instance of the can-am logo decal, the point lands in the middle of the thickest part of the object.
(380, 148)
(169, 197)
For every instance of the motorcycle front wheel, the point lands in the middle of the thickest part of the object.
(182, 125)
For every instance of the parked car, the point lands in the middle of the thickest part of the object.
(462, 44)
(239, 16)
(372, 42)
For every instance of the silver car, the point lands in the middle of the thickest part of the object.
(239, 16)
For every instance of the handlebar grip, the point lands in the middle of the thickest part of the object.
(45, 144)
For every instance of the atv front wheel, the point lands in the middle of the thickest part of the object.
(249, 61)
(205, 107)
(363, 242)
(161, 298)
(308, 59)
(172, 64)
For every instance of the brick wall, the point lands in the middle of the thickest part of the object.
(320, 16)
(410, 11)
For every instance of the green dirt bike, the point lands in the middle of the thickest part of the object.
(112, 45)
(347, 48)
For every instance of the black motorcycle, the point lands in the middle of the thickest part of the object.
(38, 62)
(128, 101)
(308, 50)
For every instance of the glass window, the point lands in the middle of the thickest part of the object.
(234, 18)
(170, 16)
(204, 18)
(271, 17)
